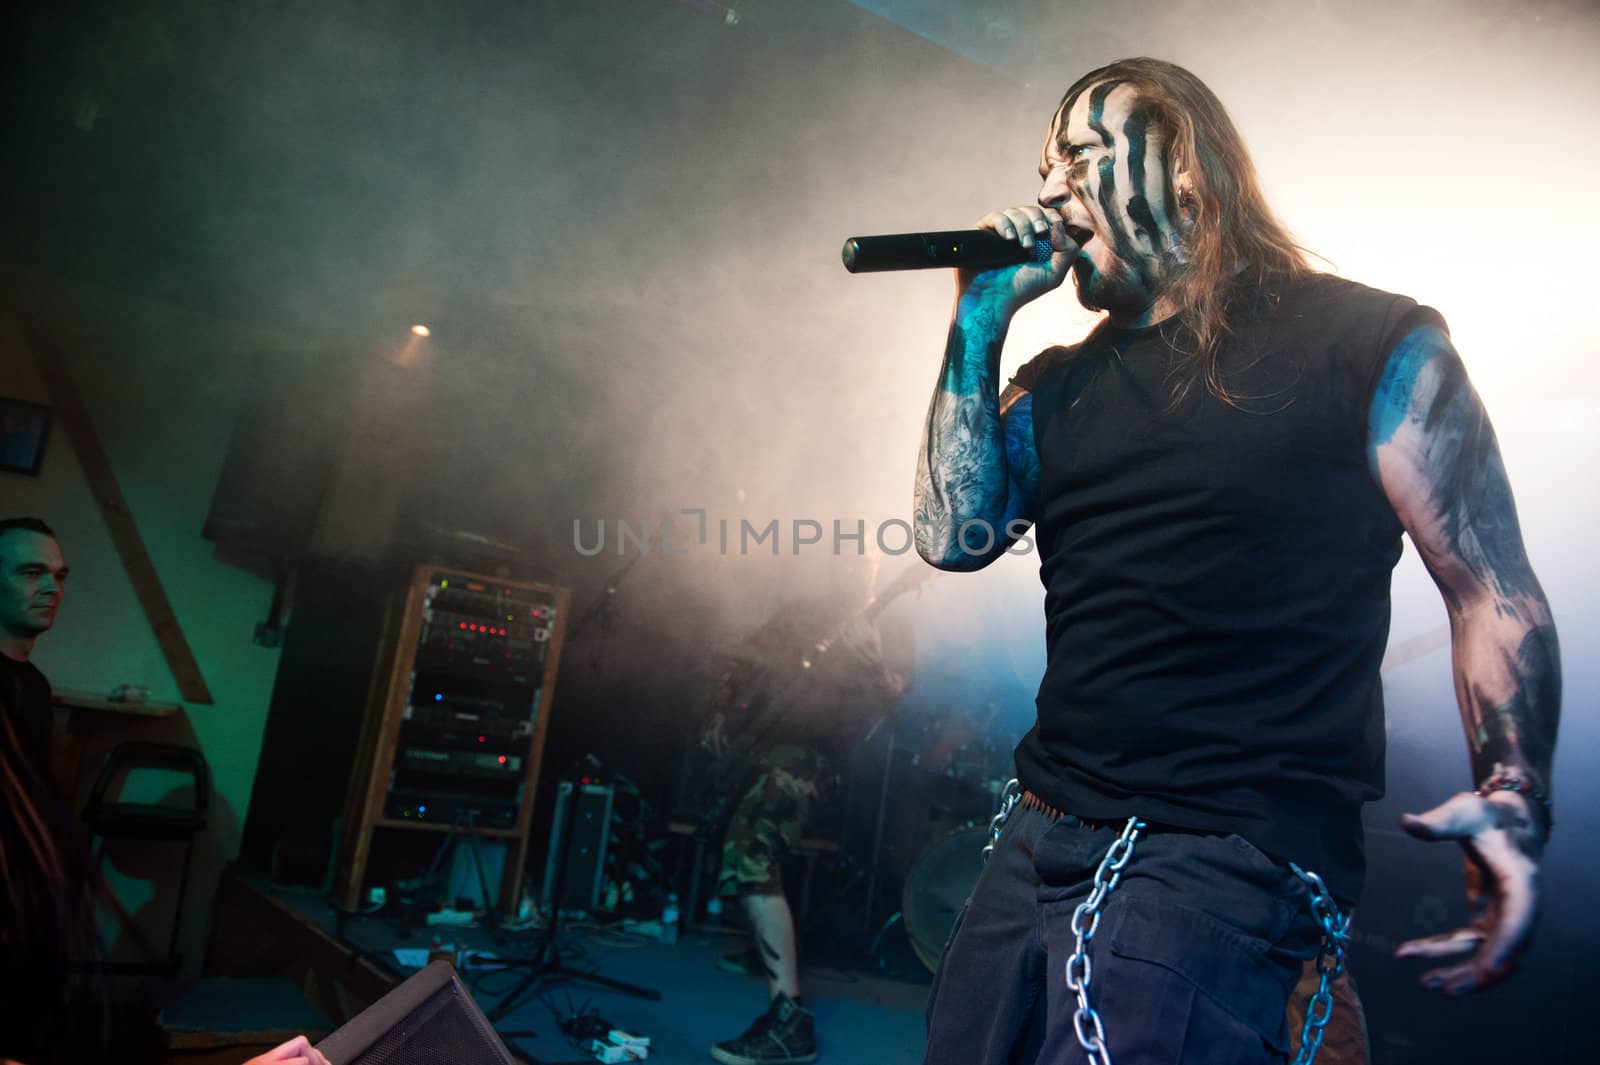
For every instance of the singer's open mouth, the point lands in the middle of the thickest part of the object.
(1080, 237)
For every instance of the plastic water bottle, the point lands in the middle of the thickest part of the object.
(669, 920)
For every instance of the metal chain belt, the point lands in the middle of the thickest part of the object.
(1086, 1022)
(1008, 802)
(1330, 963)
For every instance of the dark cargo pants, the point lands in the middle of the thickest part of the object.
(1192, 963)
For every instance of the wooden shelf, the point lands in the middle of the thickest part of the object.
(436, 826)
(81, 700)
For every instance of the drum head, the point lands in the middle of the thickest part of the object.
(937, 887)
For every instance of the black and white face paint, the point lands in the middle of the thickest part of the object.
(1106, 172)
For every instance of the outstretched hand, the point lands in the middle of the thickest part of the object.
(1502, 845)
(297, 1051)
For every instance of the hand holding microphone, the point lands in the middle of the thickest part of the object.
(1006, 238)
(1020, 255)
(971, 249)
(1034, 241)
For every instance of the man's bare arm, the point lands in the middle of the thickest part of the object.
(1435, 454)
(1439, 463)
(977, 469)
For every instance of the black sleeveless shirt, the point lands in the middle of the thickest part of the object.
(1217, 576)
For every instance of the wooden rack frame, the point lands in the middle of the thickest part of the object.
(380, 735)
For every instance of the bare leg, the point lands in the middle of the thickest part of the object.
(773, 925)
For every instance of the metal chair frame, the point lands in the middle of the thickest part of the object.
(151, 822)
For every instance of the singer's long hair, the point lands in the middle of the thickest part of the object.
(1233, 226)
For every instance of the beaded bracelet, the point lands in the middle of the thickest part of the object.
(1539, 799)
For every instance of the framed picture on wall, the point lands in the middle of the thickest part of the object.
(24, 427)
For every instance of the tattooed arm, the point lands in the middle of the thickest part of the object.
(978, 470)
(1434, 452)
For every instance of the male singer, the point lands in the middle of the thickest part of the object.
(1218, 477)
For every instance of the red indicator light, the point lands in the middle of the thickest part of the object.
(480, 739)
(463, 624)
(502, 759)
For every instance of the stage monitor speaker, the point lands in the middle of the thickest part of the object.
(430, 1017)
(580, 830)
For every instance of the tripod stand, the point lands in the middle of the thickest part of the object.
(548, 967)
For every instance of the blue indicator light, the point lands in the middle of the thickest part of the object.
(422, 809)
(438, 697)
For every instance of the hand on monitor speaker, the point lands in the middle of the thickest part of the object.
(297, 1051)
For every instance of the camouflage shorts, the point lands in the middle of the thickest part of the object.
(769, 819)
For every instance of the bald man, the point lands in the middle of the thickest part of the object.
(33, 577)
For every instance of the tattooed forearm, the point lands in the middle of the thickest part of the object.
(962, 468)
(1516, 736)
(1436, 456)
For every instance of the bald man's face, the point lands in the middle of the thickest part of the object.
(33, 575)
(1106, 172)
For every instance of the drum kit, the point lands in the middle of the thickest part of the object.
(944, 875)
(936, 819)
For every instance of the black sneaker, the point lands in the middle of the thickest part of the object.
(786, 1033)
(745, 963)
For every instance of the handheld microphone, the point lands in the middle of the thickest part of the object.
(977, 249)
